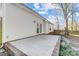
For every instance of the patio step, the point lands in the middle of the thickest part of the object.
(2, 52)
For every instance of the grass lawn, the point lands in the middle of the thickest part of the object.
(0, 39)
(74, 32)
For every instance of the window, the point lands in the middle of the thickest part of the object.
(40, 28)
(50, 29)
(0, 31)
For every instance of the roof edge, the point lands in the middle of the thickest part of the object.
(35, 13)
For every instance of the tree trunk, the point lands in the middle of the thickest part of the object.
(65, 11)
(66, 29)
(66, 21)
(75, 25)
(57, 23)
(72, 22)
(72, 19)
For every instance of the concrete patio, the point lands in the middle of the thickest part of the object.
(41, 45)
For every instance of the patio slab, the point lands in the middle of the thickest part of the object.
(41, 45)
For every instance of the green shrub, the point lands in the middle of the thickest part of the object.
(66, 50)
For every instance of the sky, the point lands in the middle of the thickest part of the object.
(52, 11)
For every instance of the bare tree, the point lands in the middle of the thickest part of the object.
(73, 12)
(65, 9)
(66, 12)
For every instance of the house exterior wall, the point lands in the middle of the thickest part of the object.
(20, 23)
(52, 28)
(0, 9)
(2, 15)
(49, 27)
(0, 18)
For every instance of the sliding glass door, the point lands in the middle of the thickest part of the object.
(39, 28)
